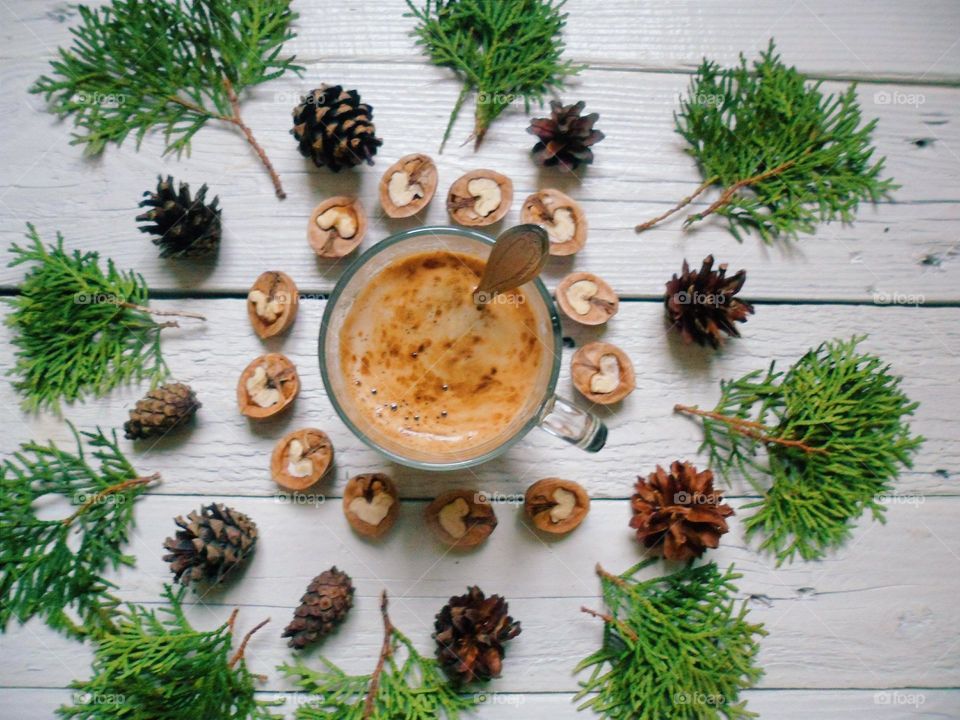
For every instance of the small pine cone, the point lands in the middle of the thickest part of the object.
(185, 227)
(565, 136)
(703, 304)
(470, 632)
(323, 606)
(160, 411)
(210, 544)
(678, 514)
(334, 128)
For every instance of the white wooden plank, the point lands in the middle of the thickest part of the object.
(908, 247)
(902, 704)
(225, 453)
(851, 39)
(878, 613)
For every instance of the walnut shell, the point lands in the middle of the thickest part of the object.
(277, 286)
(541, 208)
(479, 519)
(461, 202)
(363, 489)
(540, 504)
(586, 364)
(328, 243)
(601, 306)
(281, 374)
(317, 448)
(420, 170)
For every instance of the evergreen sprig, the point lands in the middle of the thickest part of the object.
(156, 666)
(172, 64)
(413, 688)
(784, 155)
(821, 442)
(505, 51)
(40, 573)
(79, 329)
(675, 647)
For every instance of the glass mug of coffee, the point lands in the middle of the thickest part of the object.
(420, 371)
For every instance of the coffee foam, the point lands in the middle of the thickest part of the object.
(427, 368)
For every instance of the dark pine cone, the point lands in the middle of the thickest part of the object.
(565, 136)
(210, 544)
(184, 228)
(334, 128)
(678, 514)
(160, 411)
(324, 606)
(703, 304)
(470, 632)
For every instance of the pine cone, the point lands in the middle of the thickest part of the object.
(184, 228)
(160, 411)
(334, 128)
(470, 632)
(324, 606)
(678, 514)
(565, 136)
(210, 544)
(702, 304)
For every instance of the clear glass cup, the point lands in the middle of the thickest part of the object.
(543, 408)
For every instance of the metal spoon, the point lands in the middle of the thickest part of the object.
(517, 257)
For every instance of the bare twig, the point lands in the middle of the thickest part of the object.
(248, 134)
(678, 207)
(238, 655)
(748, 428)
(385, 650)
(112, 490)
(166, 313)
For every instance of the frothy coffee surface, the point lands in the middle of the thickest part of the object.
(429, 369)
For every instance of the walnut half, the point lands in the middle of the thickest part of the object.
(272, 303)
(556, 506)
(301, 458)
(267, 386)
(336, 226)
(461, 519)
(560, 216)
(408, 185)
(481, 197)
(602, 373)
(587, 299)
(371, 504)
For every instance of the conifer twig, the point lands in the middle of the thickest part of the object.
(103, 494)
(747, 428)
(385, 651)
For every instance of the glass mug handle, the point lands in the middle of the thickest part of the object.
(578, 427)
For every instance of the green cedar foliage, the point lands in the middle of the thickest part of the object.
(43, 573)
(677, 647)
(821, 442)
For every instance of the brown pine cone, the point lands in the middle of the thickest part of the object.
(210, 544)
(323, 606)
(334, 129)
(470, 632)
(703, 304)
(160, 411)
(678, 514)
(565, 136)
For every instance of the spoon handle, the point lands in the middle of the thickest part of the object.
(517, 257)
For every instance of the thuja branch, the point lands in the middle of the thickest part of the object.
(820, 442)
(79, 328)
(119, 77)
(41, 573)
(784, 155)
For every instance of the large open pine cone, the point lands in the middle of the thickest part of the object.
(565, 136)
(678, 514)
(210, 544)
(160, 411)
(334, 128)
(323, 606)
(184, 227)
(470, 632)
(703, 304)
